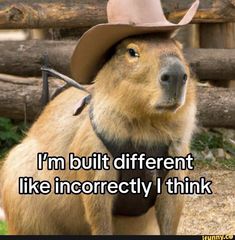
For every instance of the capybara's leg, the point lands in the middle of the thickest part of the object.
(169, 207)
(98, 208)
(98, 211)
(168, 211)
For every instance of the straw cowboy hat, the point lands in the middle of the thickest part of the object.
(125, 18)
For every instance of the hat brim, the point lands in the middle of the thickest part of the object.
(93, 45)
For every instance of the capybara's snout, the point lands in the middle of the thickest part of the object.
(173, 79)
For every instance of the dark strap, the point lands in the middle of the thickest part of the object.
(81, 105)
(133, 204)
(69, 82)
(63, 77)
(45, 98)
(129, 204)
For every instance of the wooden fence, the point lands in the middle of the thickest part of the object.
(86, 13)
(213, 61)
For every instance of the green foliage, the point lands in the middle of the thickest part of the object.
(10, 134)
(207, 139)
(3, 228)
(212, 140)
(228, 164)
(229, 147)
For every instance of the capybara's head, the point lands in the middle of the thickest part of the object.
(145, 73)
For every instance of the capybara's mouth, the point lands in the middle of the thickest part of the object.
(168, 107)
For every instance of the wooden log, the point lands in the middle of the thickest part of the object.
(218, 35)
(209, 11)
(25, 59)
(51, 13)
(20, 97)
(211, 63)
(63, 13)
(216, 107)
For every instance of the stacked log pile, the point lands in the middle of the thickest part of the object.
(20, 95)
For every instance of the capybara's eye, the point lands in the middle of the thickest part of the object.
(133, 53)
(185, 78)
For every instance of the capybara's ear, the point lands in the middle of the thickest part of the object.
(174, 34)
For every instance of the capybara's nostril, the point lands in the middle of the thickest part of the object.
(165, 77)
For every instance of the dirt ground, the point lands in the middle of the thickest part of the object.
(211, 214)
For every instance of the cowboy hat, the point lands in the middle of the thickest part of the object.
(125, 18)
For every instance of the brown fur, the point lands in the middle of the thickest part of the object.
(125, 92)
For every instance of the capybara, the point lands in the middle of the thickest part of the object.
(142, 97)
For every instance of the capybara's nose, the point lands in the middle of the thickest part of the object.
(173, 72)
(173, 76)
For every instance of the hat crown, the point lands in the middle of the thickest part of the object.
(135, 11)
